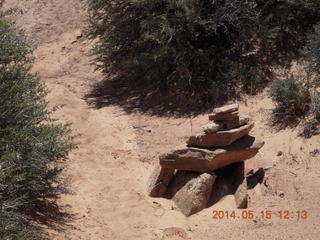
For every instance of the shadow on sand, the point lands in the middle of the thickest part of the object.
(51, 215)
(154, 100)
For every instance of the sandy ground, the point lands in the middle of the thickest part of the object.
(108, 172)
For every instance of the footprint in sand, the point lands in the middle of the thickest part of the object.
(174, 233)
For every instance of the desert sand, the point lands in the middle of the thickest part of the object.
(118, 150)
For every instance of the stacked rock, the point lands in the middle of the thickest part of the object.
(188, 173)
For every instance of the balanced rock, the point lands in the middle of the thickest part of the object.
(220, 138)
(159, 181)
(222, 146)
(194, 195)
(202, 160)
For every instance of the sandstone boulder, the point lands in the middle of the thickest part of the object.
(180, 179)
(202, 160)
(159, 181)
(220, 138)
(194, 195)
(228, 180)
(241, 196)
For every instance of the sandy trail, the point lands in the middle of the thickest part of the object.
(109, 170)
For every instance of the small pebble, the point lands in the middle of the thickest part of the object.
(281, 194)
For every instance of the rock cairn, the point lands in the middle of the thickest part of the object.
(188, 174)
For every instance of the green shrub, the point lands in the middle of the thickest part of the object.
(33, 147)
(194, 45)
(311, 127)
(182, 45)
(291, 95)
(312, 50)
(286, 22)
(316, 106)
(312, 66)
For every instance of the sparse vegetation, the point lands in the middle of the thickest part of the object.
(310, 128)
(33, 147)
(297, 95)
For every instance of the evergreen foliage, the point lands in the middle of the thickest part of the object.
(179, 45)
(312, 50)
(192, 46)
(33, 148)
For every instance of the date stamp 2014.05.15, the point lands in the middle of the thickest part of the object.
(265, 214)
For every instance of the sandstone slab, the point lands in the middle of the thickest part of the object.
(237, 122)
(227, 108)
(194, 195)
(159, 181)
(223, 116)
(202, 160)
(211, 128)
(220, 138)
(216, 126)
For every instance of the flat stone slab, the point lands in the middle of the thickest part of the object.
(223, 116)
(216, 126)
(220, 138)
(159, 181)
(203, 160)
(226, 109)
(211, 128)
(193, 194)
(235, 123)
